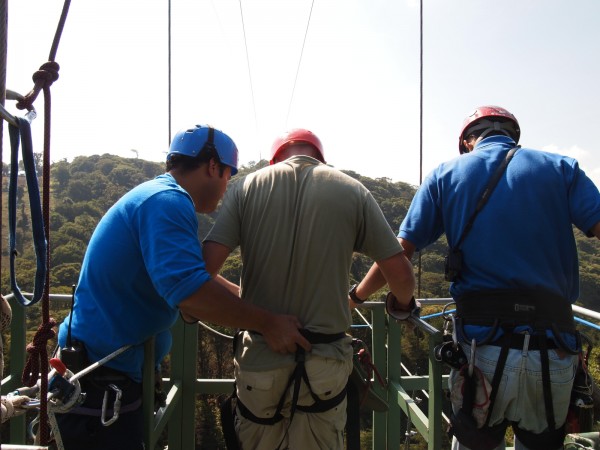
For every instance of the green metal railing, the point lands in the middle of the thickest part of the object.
(178, 416)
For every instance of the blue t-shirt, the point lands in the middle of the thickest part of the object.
(143, 259)
(523, 237)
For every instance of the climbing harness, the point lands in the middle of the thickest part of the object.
(299, 375)
(504, 311)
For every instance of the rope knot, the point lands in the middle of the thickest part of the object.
(46, 75)
(42, 78)
(37, 350)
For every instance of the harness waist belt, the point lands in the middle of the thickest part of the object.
(539, 309)
(321, 338)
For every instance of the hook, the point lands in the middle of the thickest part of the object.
(116, 406)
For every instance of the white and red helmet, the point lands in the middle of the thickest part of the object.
(296, 135)
(483, 118)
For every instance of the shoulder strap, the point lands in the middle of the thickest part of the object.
(487, 193)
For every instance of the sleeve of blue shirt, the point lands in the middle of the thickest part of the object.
(584, 198)
(168, 229)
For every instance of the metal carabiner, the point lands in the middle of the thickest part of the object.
(454, 335)
(472, 359)
(116, 406)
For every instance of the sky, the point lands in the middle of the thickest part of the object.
(349, 70)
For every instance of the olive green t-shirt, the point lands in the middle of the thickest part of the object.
(297, 224)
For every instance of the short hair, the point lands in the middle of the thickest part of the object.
(187, 163)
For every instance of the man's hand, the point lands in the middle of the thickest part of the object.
(401, 312)
(282, 334)
(11, 406)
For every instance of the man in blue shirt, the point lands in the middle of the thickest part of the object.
(514, 271)
(143, 268)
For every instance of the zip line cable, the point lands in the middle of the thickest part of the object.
(169, 90)
(3, 53)
(420, 127)
(249, 73)
(299, 63)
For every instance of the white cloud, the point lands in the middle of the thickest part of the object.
(574, 151)
(585, 158)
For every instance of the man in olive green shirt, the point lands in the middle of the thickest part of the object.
(297, 223)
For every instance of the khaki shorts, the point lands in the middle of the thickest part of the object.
(261, 392)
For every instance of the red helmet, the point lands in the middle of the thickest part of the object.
(484, 115)
(296, 135)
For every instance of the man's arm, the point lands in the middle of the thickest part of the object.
(396, 271)
(214, 303)
(214, 256)
(217, 302)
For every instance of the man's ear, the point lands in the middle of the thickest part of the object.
(212, 167)
(466, 146)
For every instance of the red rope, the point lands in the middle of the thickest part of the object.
(37, 362)
(37, 352)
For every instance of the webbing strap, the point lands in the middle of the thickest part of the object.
(352, 417)
(37, 222)
(498, 373)
(546, 382)
(486, 194)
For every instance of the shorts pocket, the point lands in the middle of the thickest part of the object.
(327, 376)
(256, 391)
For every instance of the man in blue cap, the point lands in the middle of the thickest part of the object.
(142, 269)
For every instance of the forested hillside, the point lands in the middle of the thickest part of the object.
(83, 190)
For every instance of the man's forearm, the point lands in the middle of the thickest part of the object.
(214, 302)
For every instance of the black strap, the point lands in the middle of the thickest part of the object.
(538, 308)
(352, 417)
(498, 373)
(486, 194)
(227, 410)
(546, 381)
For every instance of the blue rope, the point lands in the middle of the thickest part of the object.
(37, 221)
(437, 314)
(589, 324)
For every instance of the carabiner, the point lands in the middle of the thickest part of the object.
(116, 406)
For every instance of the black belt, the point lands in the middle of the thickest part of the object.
(517, 341)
